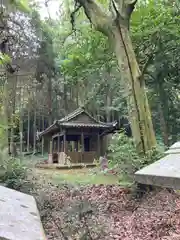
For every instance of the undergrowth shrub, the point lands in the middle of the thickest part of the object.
(14, 174)
(124, 157)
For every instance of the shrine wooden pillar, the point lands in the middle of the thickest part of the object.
(42, 146)
(72, 146)
(64, 142)
(82, 141)
(50, 155)
(50, 147)
(58, 147)
(76, 145)
(82, 146)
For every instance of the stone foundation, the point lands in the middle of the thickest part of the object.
(61, 158)
(50, 159)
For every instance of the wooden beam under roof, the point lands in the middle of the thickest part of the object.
(60, 134)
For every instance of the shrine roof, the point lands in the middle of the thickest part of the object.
(77, 119)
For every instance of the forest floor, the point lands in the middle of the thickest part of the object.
(107, 212)
(84, 204)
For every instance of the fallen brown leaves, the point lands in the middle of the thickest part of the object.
(109, 212)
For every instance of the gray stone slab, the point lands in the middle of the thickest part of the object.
(173, 151)
(19, 216)
(164, 172)
(175, 146)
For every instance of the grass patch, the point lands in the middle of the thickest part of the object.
(76, 176)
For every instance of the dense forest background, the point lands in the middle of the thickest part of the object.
(53, 65)
(120, 60)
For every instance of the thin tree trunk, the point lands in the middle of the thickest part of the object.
(7, 106)
(163, 112)
(42, 141)
(65, 96)
(57, 115)
(21, 120)
(50, 101)
(13, 95)
(98, 114)
(108, 95)
(4, 117)
(163, 125)
(34, 131)
(77, 95)
(28, 130)
(108, 105)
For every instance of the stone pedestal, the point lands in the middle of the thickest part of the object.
(50, 159)
(103, 163)
(61, 158)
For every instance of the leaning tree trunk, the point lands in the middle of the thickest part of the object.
(115, 25)
(138, 107)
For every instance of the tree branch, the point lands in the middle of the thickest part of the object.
(146, 65)
(99, 18)
(123, 8)
(130, 7)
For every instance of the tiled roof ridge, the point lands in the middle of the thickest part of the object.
(75, 113)
(71, 115)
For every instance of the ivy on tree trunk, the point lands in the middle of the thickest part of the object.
(114, 23)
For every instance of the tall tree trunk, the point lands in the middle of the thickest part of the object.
(115, 26)
(138, 108)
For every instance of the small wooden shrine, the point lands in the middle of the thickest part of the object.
(77, 137)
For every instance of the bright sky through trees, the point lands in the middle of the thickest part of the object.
(52, 8)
